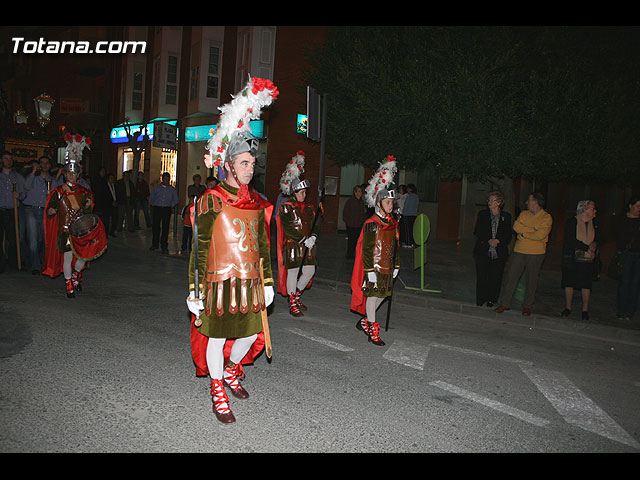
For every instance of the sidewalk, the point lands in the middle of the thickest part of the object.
(450, 269)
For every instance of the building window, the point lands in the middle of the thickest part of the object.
(136, 94)
(213, 72)
(350, 176)
(171, 91)
(212, 87)
(168, 164)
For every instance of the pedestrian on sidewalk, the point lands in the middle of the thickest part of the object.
(628, 239)
(373, 270)
(532, 229)
(125, 197)
(354, 213)
(493, 232)
(409, 214)
(163, 199)
(187, 228)
(296, 234)
(37, 186)
(141, 201)
(579, 248)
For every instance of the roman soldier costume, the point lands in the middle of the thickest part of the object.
(373, 269)
(73, 235)
(297, 234)
(231, 258)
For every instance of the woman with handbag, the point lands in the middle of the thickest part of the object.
(579, 251)
(628, 244)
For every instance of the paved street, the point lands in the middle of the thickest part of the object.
(110, 371)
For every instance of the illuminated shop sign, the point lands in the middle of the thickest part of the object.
(200, 133)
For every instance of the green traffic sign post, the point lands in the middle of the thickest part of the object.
(421, 229)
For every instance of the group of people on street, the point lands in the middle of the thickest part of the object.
(499, 269)
(227, 235)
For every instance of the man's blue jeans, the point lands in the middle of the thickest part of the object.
(34, 222)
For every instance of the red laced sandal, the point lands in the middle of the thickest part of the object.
(293, 306)
(363, 325)
(70, 291)
(301, 305)
(232, 375)
(76, 278)
(221, 402)
(374, 334)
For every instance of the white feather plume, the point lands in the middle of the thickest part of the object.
(292, 173)
(235, 116)
(383, 178)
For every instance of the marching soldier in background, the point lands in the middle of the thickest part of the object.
(295, 221)
(67, 207)
(232, 238)
(373, 269)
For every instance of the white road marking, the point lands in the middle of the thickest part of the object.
(575, 407)
(481, 354)
(409, 354)
(320, 340)
(487, 402)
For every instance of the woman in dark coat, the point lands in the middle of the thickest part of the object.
(581, 240)
(493, 233)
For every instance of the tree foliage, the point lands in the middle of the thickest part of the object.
(556, 103)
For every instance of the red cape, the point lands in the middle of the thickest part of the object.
(199, 341)
(282, 271)
(53, 258)
(358, 300)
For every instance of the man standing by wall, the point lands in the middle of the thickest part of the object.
(37, 186)
(532, 234)
(163, 199)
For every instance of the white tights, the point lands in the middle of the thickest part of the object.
(215, 353)
(305, 278)
(66, 264)
(371, 306)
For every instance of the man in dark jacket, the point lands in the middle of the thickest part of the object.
(125, 196)
(354, 213)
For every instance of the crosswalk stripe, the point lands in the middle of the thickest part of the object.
(487, 402)
(321, 340)
(575, 407)
(481, 354)
(408, 354)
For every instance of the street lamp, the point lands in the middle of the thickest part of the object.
(44, 104)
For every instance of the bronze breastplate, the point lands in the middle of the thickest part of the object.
(234, 249)
(70, 210)
(383, 250)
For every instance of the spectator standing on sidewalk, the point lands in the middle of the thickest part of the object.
(409, 214)
(354, 213)
(579, 247)
(628, 238)
(491, 250)
(125, 196)
(141, 201)
(37, 186)
(9, 176)
(532, 234)
(163, 199)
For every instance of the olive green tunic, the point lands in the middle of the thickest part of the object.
(227, 325)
